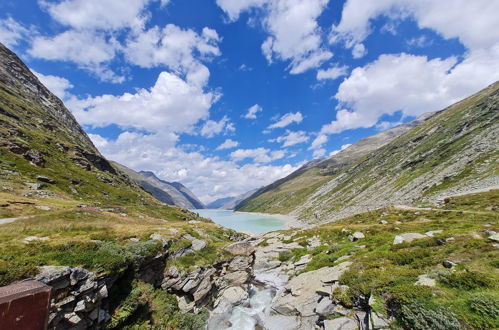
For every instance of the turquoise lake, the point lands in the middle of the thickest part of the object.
(243, 222)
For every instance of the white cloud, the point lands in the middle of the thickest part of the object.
(382, 87)
(89, 50)
(252, 111)
(11, 32)
(292, 138)
(56, 85)
(359, 50)
(318, 142)
(97, 14)
(294, 34)
(172, 104)
(233, 8)
(343, 147)
(259, 155)
(212, 128)
(287, 119)
(175, 48)
(208, 177)
(473, 22)
(419, 42)
(333, 72)
(319, 153)
(228, 144)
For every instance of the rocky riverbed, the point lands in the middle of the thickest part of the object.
(281, 296)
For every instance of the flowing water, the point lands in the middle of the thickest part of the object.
(243, 222)
(255, 311)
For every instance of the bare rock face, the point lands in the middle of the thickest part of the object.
(407, 238)
(303, 293)
(242, 248)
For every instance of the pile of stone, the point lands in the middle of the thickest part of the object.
(77, 296)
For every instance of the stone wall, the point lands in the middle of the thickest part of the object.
(77, 297)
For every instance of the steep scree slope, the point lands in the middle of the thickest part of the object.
(451, 151)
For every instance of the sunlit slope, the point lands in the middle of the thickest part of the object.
(452, 151)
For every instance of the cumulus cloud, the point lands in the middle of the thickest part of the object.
(57, 85)
(318, 142)
(319, 153)
(176, 48)
(233, 8)
(382, 87)
(294, 34)
(292, 138)
(89, 50)
(359, 50)
(227, 144)
(97, 14)
(333, 72)
(459, 21)
(11, 32)
(212, 128)
(287, 120)
(208, 177)
(252, 111)
(259, 155)
(171, 104)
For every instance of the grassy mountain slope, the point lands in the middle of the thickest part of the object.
(452, 151)
(62, 202)
(383, 276)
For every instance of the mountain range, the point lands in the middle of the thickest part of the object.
(448, 152)
(171, 193)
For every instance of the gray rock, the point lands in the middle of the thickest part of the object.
(80, 306)
(233, 295)
(303, 260)
(301, 295)
(325, 307)
(425, 280)
(379, 322)
(45, 179)
(160, 238)
(78, 274)
(43, 207)
(341, 323)
(197, 244)
(35, 186)
(242, 248)
(449, 264)
(407, 238)
(383, 222)
(494, 237)
(356, 236)
(203, 289)
(433, 232)
(240, 263)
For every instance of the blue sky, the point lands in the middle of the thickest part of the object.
(229, 95)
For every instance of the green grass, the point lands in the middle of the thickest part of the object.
(389, 272)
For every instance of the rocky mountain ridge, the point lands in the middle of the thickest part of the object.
(453, 150)
(230, 203)
(167, 192)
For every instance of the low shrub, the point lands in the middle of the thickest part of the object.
(417, 316)
(485, 304)
(466, 280)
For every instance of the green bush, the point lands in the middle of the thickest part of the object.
(284, 256)
(402, 257)
(407, 292)
(466, 280)
(485, 304)
(417, 316)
